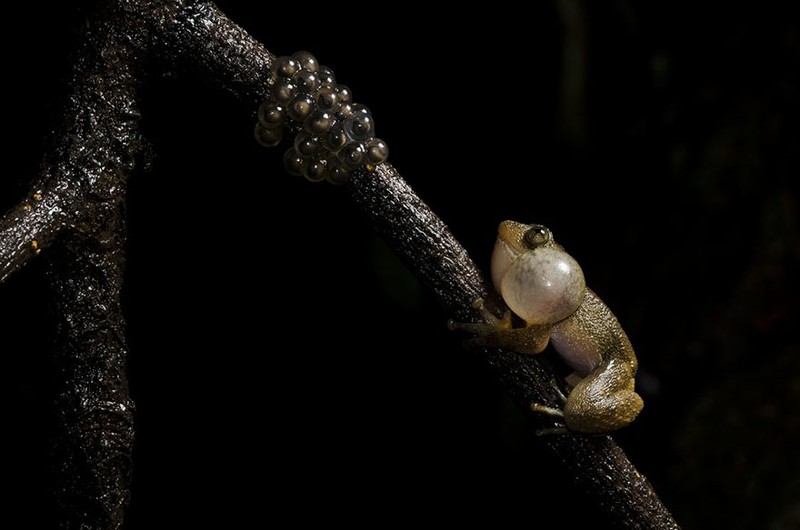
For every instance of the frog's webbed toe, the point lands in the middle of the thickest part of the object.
(498, 332)
(489, 325)
(554, 412)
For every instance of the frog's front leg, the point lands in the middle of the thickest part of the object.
(494, 332)
(490, 323)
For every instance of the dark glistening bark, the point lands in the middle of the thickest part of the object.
(76, 205)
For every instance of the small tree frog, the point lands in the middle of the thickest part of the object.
(545, 287)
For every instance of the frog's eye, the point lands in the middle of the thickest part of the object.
(536, 236)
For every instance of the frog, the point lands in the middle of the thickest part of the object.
(545, 289)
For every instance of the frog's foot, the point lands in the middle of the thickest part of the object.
(490, 324)
(552, 411)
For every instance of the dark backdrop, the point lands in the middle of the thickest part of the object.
(286, 366)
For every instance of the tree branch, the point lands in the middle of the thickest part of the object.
(93, 151)
(33, 224)
(203, 37)
(423, 242)
(95, 410)
(76, 207)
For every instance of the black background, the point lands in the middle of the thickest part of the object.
(286, 366)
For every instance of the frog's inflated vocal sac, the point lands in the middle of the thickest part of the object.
(544, 286)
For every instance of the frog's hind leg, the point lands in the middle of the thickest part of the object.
(552, 411)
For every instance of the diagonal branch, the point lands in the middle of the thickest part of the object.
(203, 36)
(595, 462)
(33, 224)
(419, 237)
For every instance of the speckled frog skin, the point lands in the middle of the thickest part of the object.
(545, 287)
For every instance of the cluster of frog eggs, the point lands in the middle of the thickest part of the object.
(334, 135)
